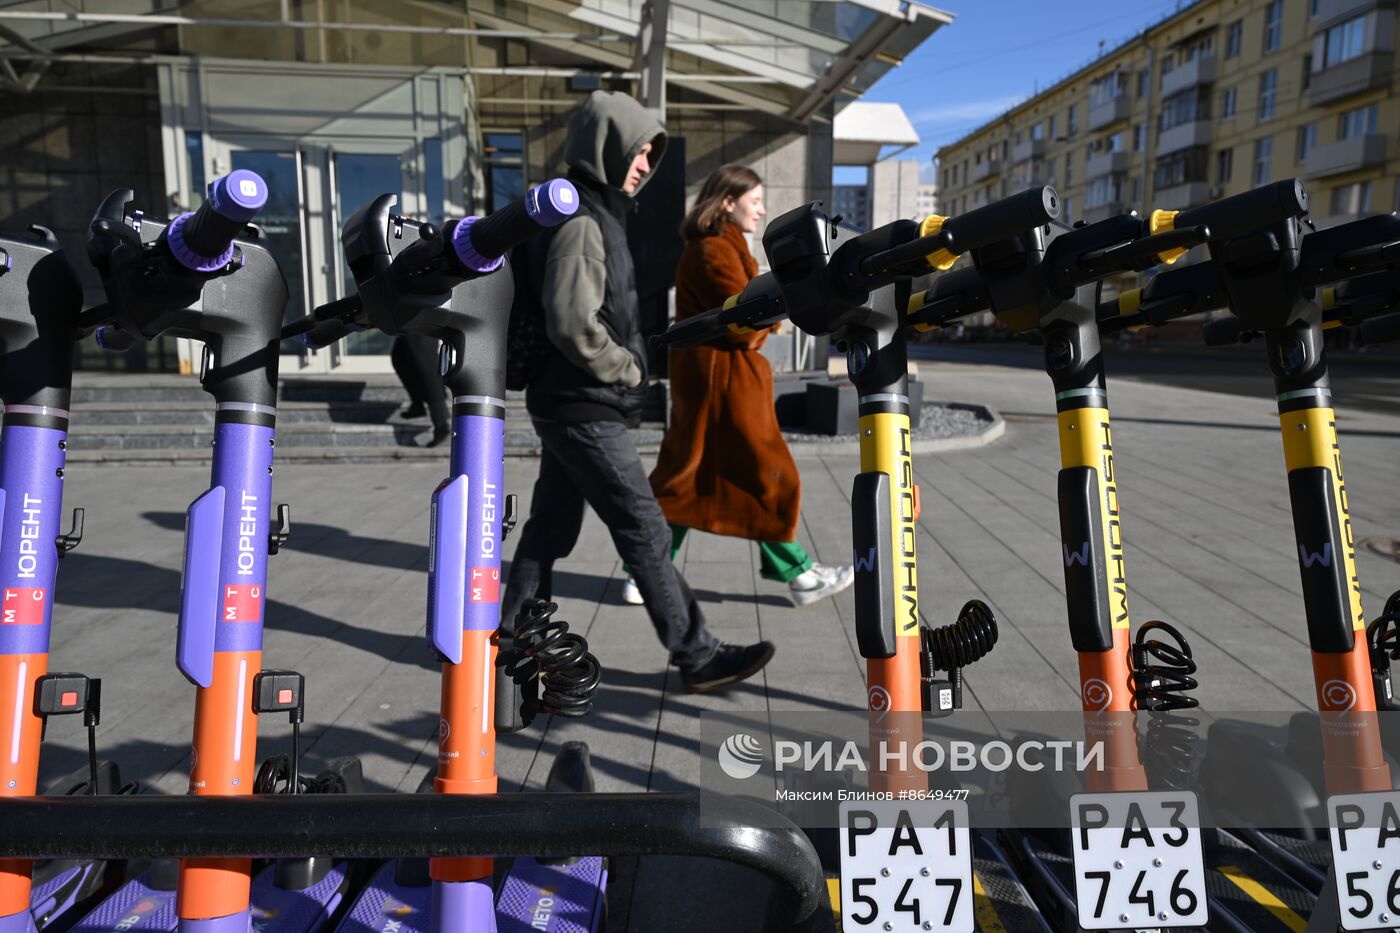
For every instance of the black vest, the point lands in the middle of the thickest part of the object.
(562, 391)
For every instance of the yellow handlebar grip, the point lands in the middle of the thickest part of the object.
(1130, 301)
(941, 260)
(1329, 298)
(732, 300)
(916, 303)
(1161, 222)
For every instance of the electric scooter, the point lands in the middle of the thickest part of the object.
(1251, 774)
(857, 293)
(447, 284)
(209, 276)
(40, 299)
(1043, 282)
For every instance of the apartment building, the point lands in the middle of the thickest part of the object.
(1215, 99)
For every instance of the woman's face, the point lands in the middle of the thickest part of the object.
(747, 210)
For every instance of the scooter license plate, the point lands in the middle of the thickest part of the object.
(1365, 830)
(1138, 860)
(906, 865)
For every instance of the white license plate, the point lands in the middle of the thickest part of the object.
(906, 865)
(1366, 857)
(1138, 861)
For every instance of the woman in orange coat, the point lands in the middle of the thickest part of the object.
(724, 466)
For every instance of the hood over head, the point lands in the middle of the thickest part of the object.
(605, 134)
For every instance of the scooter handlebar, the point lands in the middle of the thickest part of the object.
(327, 324)
(1001, 219)
(480, 242)
(1249, 211)
(233, 201)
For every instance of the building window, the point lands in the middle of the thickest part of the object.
(1114, 143)
(1263, 155)
(1224, 165)
(1312, 8)
(505, 168)
(1108, 89)
(1198, 49)
(1050, 126)
(1307, 141)
(1005, 149)
(1227, 102)
(1144, 81)
(1345, 41)
(1352, 199)
(1139, 137)
(1037, 131)
(1234, 38)
(1186, 107)
(1180, 168)
(1107, 189)
(1307, 71)
(1268, 93)
(1273, 26)
(1357, 122)
(1069, 169)
(1072, 125)
(1069, 210)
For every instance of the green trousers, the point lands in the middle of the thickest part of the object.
(780, 561)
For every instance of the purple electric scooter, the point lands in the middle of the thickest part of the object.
(209, 276)
(452, 284)
(40, 299)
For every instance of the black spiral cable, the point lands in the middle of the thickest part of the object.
(954, 646)
(1162, 681)
(543, 649)
(1383, 638)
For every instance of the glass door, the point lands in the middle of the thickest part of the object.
(314, 186)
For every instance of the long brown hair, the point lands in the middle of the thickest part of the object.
(707, 214)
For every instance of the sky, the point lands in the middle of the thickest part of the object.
(993, 55)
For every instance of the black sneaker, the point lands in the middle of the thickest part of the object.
(440, 436)
(413, 411)
(731, 664)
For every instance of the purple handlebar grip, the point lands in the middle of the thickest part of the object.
(467, 253)
(552, 203)
(239, 195)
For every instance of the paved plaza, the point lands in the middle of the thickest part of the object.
(1209, 544)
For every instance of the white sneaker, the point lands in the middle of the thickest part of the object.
(630, 594)
(821, 581)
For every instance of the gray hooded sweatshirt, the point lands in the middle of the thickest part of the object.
(605, 134)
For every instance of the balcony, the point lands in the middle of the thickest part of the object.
(988, 168)
(1110, 112)
(1107, 163)
(1183, 136)
(1360, 74)
(1332, 12)
(1346, 155)
(1180, 197)
(1192, 74)
(1030, 149)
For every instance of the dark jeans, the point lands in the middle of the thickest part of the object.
(415, 359)
(595, 463)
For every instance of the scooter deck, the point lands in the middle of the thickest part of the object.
(558, 899)
(67, 884)
(283, 910)
(386, 906)
(1001, 904)
(137, 907)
